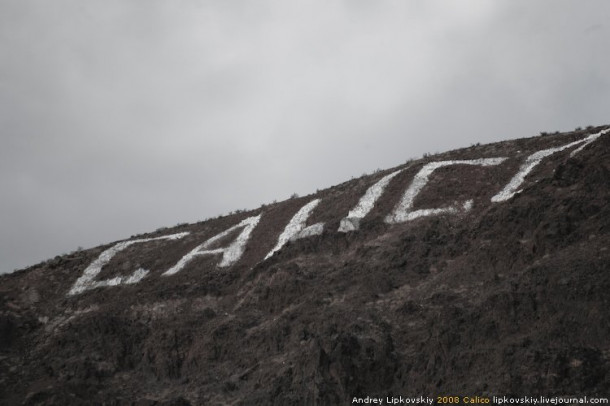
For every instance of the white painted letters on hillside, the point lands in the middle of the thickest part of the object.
(230, 254)
(586, 141)
(296, 227)
(87, 280)
(533, 160)
(404, 210)
(365, 205)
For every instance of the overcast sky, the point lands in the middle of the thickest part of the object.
(118, 117)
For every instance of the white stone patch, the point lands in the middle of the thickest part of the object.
(591, 138)
(403, 211)
(315, 229)
(365, 204)
(230, 254)
(296, 226)
(87, 280)
(136, 277)
(533, 160)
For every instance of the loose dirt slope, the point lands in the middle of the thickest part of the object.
(507, 298)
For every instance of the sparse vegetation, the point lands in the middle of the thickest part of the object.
(447, 289)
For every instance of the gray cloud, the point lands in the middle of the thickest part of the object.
(119, 117)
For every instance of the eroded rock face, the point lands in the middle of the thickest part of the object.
(503, 295)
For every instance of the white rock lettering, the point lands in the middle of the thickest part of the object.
(87, 280)
(403, 211)
(296, 227)
(230, 254)
(352, 221)
(533, 160)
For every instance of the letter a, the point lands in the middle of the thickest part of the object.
(230, 254)
(87, 281)
(403, 211)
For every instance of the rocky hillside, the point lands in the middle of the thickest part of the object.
(481, 271)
